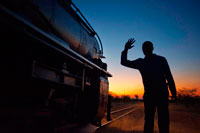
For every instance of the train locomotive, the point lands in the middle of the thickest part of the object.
(51, 67)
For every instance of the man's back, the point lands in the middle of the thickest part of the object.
(154, 70)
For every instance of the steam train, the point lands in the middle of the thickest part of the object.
(52, 74)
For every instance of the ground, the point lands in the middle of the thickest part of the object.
(183, 119)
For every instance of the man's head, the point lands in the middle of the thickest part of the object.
(147, 48)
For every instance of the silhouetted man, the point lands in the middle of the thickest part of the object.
(156, 78)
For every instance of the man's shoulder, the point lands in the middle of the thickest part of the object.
(160, 57)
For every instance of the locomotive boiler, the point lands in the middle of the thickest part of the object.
(51, 67)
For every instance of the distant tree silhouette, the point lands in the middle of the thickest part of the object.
(136, 97)
(116, 99)
(182, 93)
(188, 96)
(126, 98)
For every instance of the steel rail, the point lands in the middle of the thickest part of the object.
(119, 110)
(107, 123)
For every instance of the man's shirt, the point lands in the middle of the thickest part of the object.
(155, 73)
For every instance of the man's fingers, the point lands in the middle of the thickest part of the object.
(129, 43)
(131, 40)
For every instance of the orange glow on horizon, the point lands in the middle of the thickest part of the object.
(130, 83)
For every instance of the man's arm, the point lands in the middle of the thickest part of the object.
(170, 79)
(124, 61)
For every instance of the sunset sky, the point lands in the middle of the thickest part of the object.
(172, 26)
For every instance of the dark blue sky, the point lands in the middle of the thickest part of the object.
(172, 26)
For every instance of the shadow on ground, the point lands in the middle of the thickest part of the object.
(117, 130)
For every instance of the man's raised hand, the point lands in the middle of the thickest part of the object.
(129, 43)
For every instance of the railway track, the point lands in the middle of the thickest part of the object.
(117, 114)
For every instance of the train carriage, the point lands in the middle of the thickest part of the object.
(51, 67)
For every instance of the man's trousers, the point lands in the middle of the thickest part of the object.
(151, 104)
